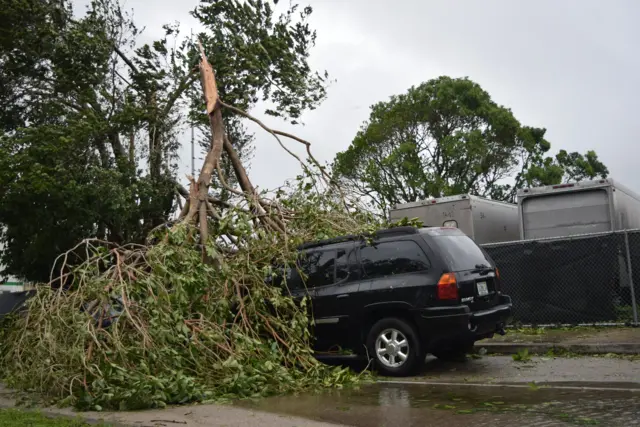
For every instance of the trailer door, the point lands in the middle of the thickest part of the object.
(566, 214)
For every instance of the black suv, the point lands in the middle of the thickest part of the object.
(405, 293)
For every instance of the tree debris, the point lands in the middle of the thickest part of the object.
(191, 317)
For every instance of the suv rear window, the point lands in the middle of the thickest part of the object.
(389, 258)
(460, 252)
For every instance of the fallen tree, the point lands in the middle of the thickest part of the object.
(187, 317)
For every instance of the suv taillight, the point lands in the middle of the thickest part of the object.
(498, 284)
(448, 287)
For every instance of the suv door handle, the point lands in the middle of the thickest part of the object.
(343, 296)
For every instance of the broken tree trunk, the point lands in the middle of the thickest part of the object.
(198, 208)
(199, 190)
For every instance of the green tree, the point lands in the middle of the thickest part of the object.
(29, 31)
(444, 137)
(273, 58)
(89, 138)
(566, 167)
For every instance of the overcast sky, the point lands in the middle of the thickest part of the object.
(569, 66)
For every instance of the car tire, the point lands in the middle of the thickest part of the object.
(394, 347)
(455, 352)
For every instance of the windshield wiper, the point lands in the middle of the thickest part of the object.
(482, 269)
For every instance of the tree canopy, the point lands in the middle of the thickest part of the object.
(447, 136)
(89, 134)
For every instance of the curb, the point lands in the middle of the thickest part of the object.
(579, 385)
(541, 348)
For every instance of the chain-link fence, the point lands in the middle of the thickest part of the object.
(586, 279)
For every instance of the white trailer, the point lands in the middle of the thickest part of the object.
(484, 220)
(577, 208)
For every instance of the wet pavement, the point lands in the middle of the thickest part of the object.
(490, 391)
(408, 405)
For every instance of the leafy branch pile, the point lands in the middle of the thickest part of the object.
(189, 317)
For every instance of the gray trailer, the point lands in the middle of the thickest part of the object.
(484, 220)
(560, 226)
(577, 208)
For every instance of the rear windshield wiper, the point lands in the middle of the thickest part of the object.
(482, 269)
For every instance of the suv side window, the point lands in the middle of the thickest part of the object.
(343, 268)
(294, 280)
(319, 267)
(389, 258)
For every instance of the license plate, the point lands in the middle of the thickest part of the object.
(482, 289)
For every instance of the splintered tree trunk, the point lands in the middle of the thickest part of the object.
(197, 209)
(199, 190)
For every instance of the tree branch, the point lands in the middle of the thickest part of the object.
(118, 148)
(126, 60)
(275, 134)
(214, 201)
(187, 81)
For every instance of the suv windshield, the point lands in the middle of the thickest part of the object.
(460, 252)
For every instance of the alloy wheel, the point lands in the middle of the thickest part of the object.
(392, 348)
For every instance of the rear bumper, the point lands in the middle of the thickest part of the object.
(456, 323)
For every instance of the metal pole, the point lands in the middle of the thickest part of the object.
(193, 154)
(630, 272)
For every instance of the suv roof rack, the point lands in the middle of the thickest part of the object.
(386, 232)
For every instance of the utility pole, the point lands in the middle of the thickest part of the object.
(193, 143)
(193, 153)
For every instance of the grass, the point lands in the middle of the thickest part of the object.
(23, 418)
(625, 313)
(559, 331)
(522, 356)
(559, 335)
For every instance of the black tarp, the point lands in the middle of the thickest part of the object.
(571, 280)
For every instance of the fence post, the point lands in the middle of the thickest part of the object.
(631, 284)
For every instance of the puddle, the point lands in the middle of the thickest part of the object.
(409, 405)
